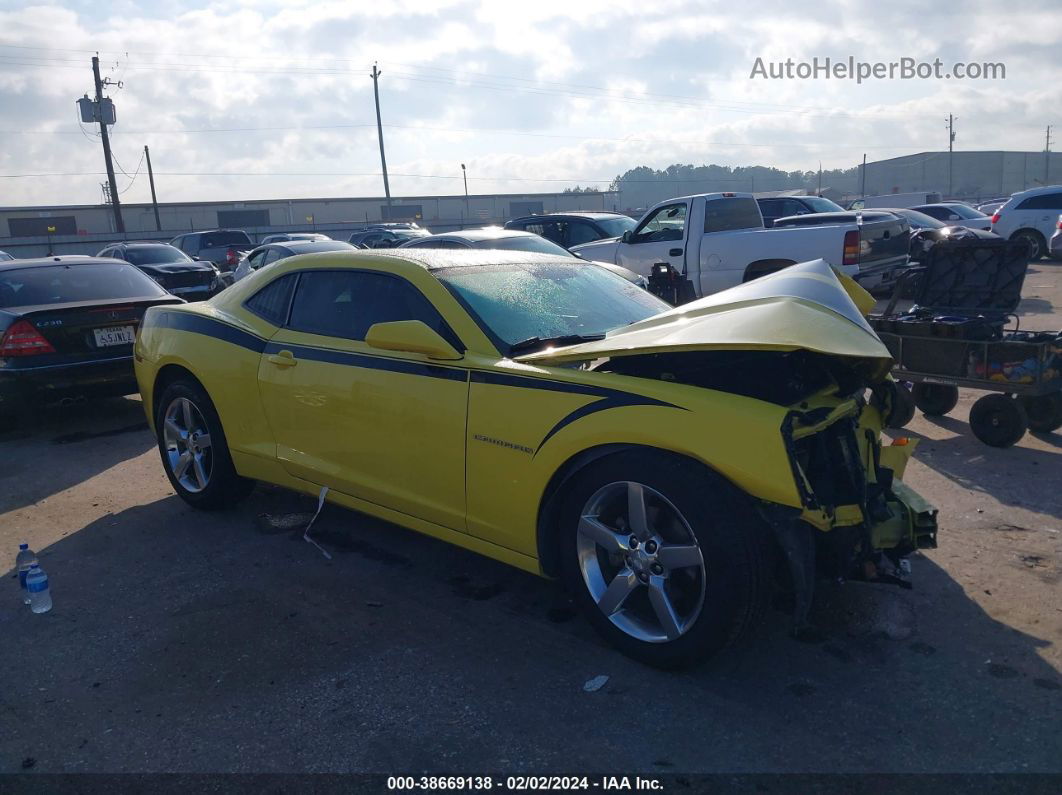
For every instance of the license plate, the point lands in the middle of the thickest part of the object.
(115, 335)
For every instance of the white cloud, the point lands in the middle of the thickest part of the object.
(578, 91)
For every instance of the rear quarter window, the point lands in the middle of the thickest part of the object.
(723, 215)
(271, 303)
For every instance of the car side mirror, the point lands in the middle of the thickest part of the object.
(410, 336)
(626, 236)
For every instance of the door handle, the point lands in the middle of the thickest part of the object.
(675, 252)
(283, 359)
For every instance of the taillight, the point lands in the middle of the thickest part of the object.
(995, 218)
(851, 248)
(23, 339)
(231, 258)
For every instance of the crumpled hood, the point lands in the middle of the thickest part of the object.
(164, 268)
(808, 306)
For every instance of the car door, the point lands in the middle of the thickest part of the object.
(1045, 216)
(661, 237)
(581, 232)
(385, 427)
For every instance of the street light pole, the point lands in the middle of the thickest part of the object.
(464, 174)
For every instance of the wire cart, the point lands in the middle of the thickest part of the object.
(963, 332)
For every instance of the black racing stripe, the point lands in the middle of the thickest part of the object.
(530, 382)
(349, 359)
(613, 398)
(209, 327)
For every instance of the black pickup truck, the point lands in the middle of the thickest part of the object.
(884, 241)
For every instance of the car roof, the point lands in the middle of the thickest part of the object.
(591, 214)
(312, 245)
(135, 243)
(486, 233)
(435, 258)
(62, 259)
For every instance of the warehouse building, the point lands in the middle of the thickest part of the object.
(971, 175)
(84, 229)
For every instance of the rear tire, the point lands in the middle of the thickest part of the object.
(1037, 244)
(675, 580)
(195, 453)
(998, 420)
(1044, 411)
(935, 400)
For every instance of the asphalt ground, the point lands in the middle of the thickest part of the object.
(190, 642)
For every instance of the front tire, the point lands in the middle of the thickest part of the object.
(195, 453)
(1037, 244)
(667, 560)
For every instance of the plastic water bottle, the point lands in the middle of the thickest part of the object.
(26, 558)
(37, 586)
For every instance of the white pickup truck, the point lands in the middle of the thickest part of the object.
(717, 240)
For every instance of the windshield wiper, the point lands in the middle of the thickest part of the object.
(541, 342)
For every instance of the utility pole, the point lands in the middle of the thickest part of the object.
(151, 179)
(379, 131)
(1047, 154)
(951, 158)
(118, 222)
(820, 178)
(464, 173)
(863, 178)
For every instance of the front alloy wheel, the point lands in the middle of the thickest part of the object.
(666, 558)
(187, 440)
(641, 562)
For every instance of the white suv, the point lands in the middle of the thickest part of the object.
(1031, 215)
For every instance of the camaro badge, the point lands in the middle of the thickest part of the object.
(502, 443)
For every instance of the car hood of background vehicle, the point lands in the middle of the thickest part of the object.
(164, 268)
(808, 306)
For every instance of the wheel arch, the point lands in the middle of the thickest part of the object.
(547, 529)
(166, 375)
(762, 267)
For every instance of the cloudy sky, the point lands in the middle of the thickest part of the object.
(244, 100)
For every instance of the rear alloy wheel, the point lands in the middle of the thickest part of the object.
(1044, 411)
(998, 420)
(1037, 245)
(665, 558)
(935, 400)
(194, 451)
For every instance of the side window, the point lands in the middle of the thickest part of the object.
(580, 233)
(272, 255)
(556, 231)
(1046, 201)
(178, 242)
(771, 208)
(935, 212)
(254, 262)
(722, 215)
(793, 207)
(348, 303)
(272, 301)
(667, 223)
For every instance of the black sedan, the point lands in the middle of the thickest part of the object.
(181, 275)
(67, 326)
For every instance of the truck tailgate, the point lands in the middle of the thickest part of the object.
(881, 240)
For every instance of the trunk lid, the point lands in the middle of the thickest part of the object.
(71, 328)
(806, 307)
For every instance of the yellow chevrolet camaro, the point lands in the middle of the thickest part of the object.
(547, 413)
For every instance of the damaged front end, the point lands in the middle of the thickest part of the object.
(859, 520)
(798, 339)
